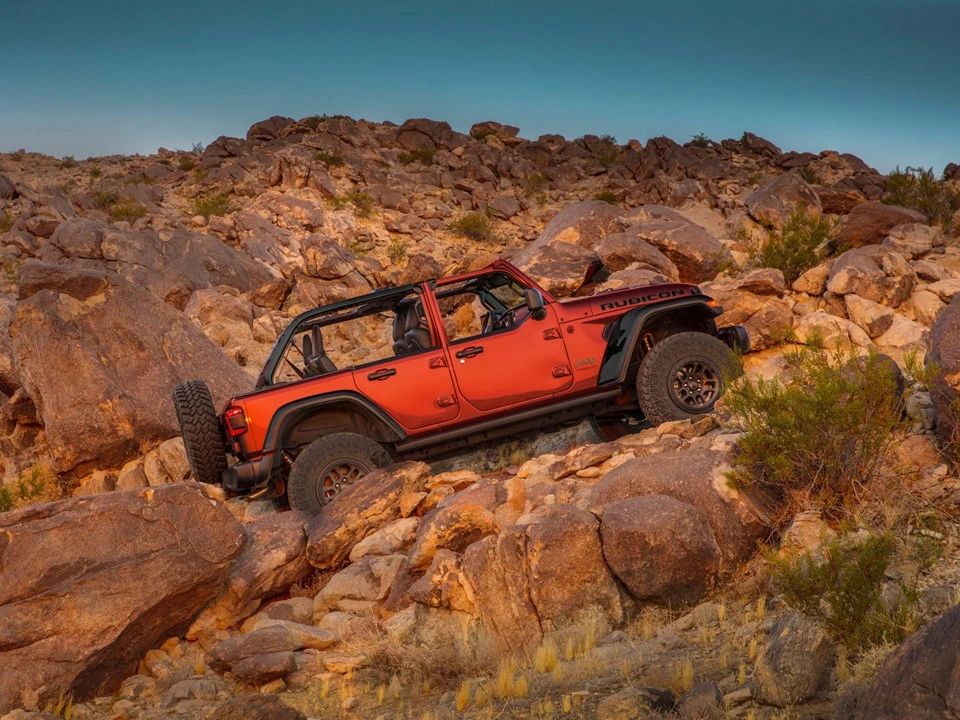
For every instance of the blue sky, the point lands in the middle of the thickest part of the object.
(878, 78)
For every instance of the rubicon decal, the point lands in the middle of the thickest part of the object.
(640, 299)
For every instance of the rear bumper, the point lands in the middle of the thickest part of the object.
(736, 337)
(246, 476)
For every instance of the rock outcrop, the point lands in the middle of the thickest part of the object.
(89, 585)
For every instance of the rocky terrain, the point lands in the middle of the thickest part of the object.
(557, 576)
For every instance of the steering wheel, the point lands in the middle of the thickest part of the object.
(507, 320)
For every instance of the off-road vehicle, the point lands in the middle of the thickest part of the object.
(429, 369)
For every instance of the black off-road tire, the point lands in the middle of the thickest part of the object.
(327, 465)
(683, 376)
(200, 428)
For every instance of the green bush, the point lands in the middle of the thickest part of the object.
(67, 162)
(607, 196)
(424, 157)
(362, 203)
(826, 434)
(397, 251)
(535, 186)
(186, 163)
(34, 485)
(809, 175)
(843, 591)
(795, 248)
(482, 133)
(475, 227)
(328, 159)
(7, 221)
(198, 148)
(215, 205)
(127, 209)
(700, 140)
(611, 152)
(95, 172)
(918, 189)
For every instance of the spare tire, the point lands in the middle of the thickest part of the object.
(200, 428)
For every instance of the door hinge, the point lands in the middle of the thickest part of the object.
(551, 334)
(438, 362)
(446, 401)
(561, 371)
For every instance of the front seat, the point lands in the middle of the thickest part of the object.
(315, 357)
(409, 330)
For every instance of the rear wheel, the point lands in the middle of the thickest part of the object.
(200, 428)
(328, 465)
(683, 376)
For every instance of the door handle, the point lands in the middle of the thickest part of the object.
(470, 351)
(381, 374)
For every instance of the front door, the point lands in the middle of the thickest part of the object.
(519, 364)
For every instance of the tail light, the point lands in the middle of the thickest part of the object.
(236, 422)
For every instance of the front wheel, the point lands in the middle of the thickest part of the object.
(683, 376)
(328, 465)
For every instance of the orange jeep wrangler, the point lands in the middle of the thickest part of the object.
(430, 369)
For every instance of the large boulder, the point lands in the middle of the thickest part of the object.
(697, 478)
(944, 354)
(869, 223)
(696, 253)
(100, 356)
(794, 664)
(360, 510)
(171, 268)
(570, 582)
(621, 250)
(583, 224)
(921, 679)
(661, 549)
(878, 273)
(773, 203)
(560, 268)
(274, 559)
(88, 585)
(266, 130)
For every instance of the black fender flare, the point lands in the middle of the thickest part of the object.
(293, 411)
(622, 343)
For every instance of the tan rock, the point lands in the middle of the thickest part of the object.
(454, 528)
(874, 318)
(84, 632)
(360, 510)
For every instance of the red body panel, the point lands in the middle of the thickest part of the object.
(534, 363)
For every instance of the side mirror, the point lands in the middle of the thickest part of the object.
(535, 303)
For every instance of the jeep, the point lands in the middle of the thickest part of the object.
(429, 369)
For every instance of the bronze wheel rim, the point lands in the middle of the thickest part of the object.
(695, 385)
(336, 477)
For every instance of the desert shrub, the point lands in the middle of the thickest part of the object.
(424, 157)
(362, 203)
(607, 196)
(825, 433)
(328, 159)
(844, 591)
(919, 189)
(700, 140)
(611, 153)
(67, 162)
(126, 209)
(186, 163)
(795, 248)
(35, 485)
(397, 251)
(95, 172)
(482, 133)
(809, 175)
(535, 186)
(7, 221)
(474, 226)
(198, 147)
(215, 205)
